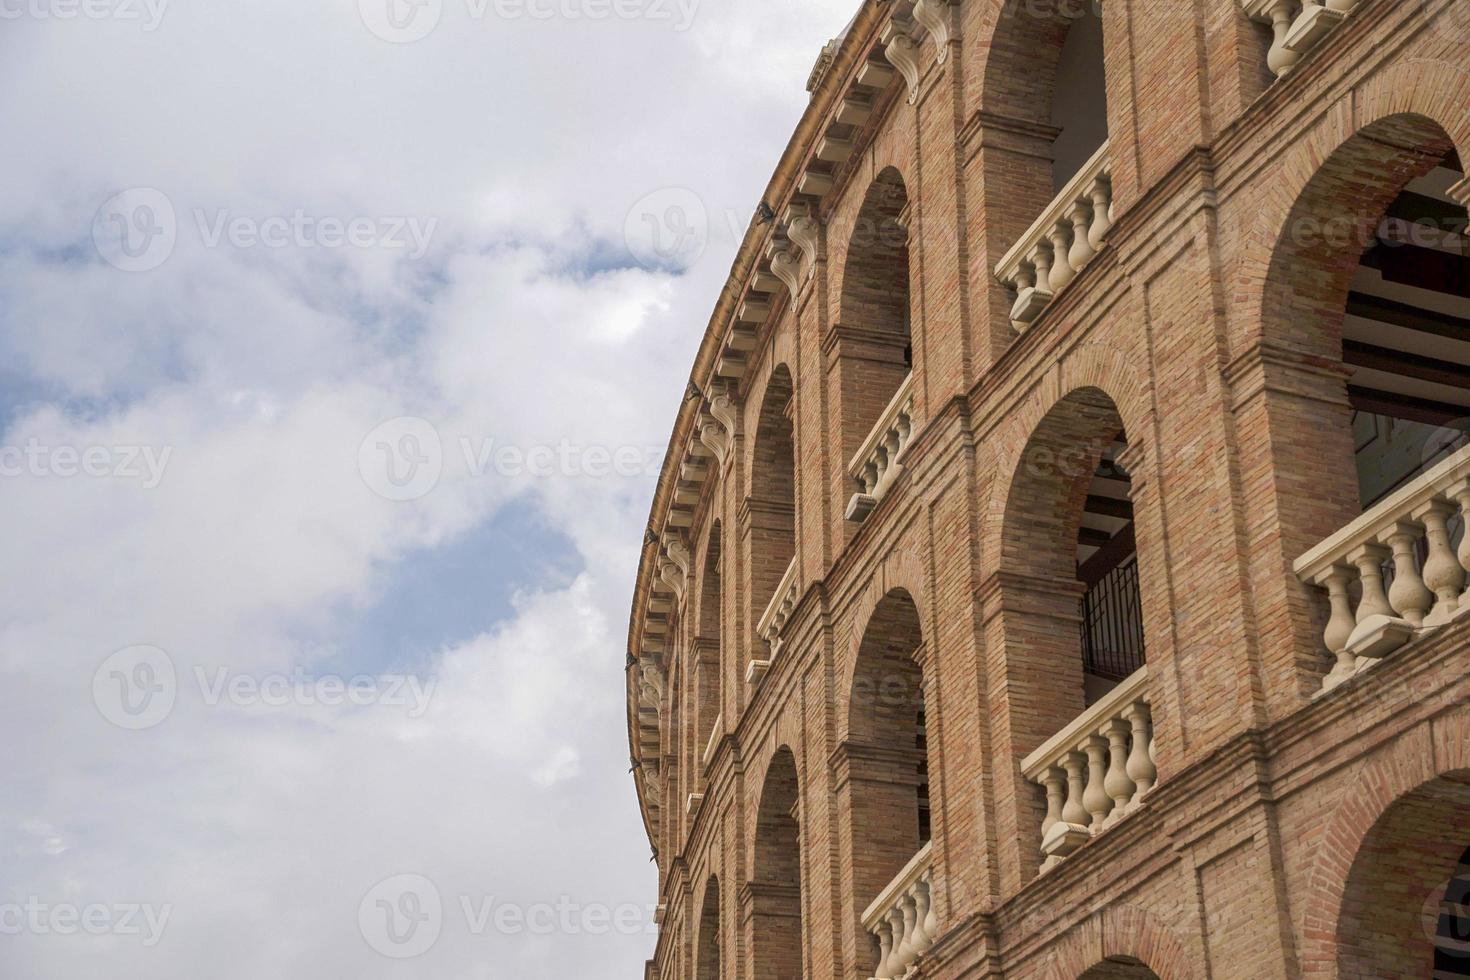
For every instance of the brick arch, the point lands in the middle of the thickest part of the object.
(887, 184)
(1436, 749)
(776, 870)
(1123, 931)
(1103, 367)
(1433, 93)
(755, 396)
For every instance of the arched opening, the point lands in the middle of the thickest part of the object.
(875, 311)
(1403, 911)
(772, 504)
(887, 777)
(708, 660)
(1069, 528)
(873, 349)
(1373, 269)
(708, 962)
(887, 728)
(776, 887)
(1046, 66)
(1119, 968)
(1371, 276)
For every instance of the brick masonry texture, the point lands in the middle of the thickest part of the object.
(1290, 834)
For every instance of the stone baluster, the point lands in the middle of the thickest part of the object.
(1055, 782)
(1141, 767)
(1461, 495)
(1095, 798)
(1082, 250)
(1041, 259)
(1117, 783)
(1074, 810)
(902, 954)
(1102, 213)
(1409, 596)
(885, 952)
(930, 921)
(1280, 58)
(1341, 623)
(1062, 272)
(1443, 575)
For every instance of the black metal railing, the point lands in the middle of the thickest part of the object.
(1112, 624)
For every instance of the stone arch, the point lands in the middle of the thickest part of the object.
(776, 869)
(1123, 942)
(1421, 776)
(709, 942)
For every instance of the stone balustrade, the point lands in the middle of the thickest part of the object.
(902, 917)
(1095, 771)
(1297, 26)
(769, 626)
(1404, 540)
(875, 465)
(1072, 229)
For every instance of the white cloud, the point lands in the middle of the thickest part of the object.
(260, 371)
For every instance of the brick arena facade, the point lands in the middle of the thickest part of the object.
(1058, 569)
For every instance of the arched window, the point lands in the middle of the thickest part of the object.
(707, 645)
(874, 346)
(886, 778)
(772, 503)
(1372, 272)
(1069, 523)
(776, 887)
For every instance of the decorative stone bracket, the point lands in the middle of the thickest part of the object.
(1413, 520)
(717, 426)
(1095, 771)
(1297, 26)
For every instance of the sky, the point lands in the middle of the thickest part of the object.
(340, 341)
